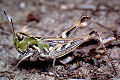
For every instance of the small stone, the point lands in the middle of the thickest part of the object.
(100, 70)
(3, 78)
(22, 5)
(64, 7)
(98, 56)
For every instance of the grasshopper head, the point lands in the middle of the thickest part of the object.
(21, 41)
(24, 42)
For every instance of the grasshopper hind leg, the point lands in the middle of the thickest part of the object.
(72, 29)
(82, 19)
(106, 53)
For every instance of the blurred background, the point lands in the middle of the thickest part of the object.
(50, 18)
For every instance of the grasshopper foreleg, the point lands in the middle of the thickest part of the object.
(30, 54)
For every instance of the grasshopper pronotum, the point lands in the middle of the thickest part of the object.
(53, 48)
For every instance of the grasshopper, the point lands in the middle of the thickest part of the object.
(54, 47)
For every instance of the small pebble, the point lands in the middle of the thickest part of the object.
(64, 7)
(99, 69)
(3, 78)
(22, 5)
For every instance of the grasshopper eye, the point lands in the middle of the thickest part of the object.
(20, 37)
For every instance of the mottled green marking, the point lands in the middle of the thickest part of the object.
(42, 46)
(16, 41)
(33, 41)
(23, 44)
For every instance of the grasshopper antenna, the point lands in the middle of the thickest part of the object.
(10, 22)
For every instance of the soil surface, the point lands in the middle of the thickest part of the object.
(50, 18)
